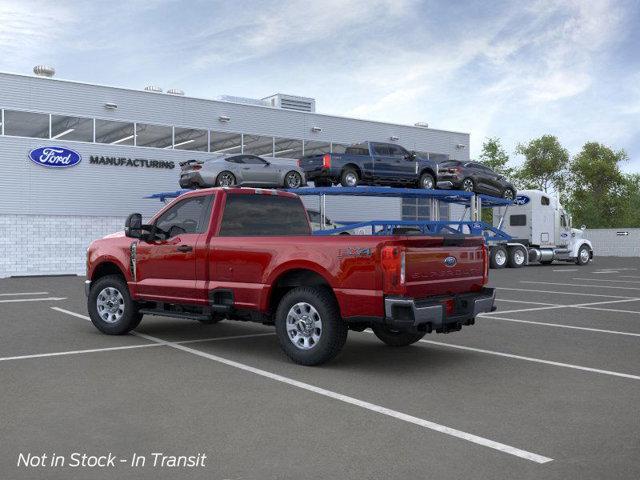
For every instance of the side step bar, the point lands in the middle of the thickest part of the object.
(170, 313)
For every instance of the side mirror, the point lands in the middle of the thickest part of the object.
(583, 227)
(133, 226)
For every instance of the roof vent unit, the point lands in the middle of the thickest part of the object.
(292, 102)
(153, 88)
(244, 100)
(175, 91)
(44, 71)
(422, 124)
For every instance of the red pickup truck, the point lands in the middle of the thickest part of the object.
(248, 254)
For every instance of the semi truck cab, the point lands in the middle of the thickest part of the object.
(541, 227)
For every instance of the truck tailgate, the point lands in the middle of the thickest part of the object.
(440, 266)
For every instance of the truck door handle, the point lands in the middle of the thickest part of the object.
(184, 248)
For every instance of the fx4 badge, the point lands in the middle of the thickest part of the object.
(450, 261)
(354, 252)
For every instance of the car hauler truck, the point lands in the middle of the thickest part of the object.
(540, 231)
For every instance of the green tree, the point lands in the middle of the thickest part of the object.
(545, 165)
(599, 192)
(631, 198)
(495, 157)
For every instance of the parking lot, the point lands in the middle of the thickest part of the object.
(548, 386)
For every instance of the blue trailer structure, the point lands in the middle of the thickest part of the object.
(502, 251)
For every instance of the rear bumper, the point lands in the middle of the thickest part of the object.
(191, 180)
(430, 314)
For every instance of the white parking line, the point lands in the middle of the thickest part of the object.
(344, 398)
(565, 293)
(578, 285)
(47, 299)
(535, 360)
(604, 280)
(527, 302)
(617, 310)
(22, 293)
(76, 352)
(565, 269)
(559, 325)
(363, 404)
(628, 276)
(498, 312)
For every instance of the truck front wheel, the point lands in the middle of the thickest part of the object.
(583, 255)
(110, 306)
(309, 327)
(394, 338)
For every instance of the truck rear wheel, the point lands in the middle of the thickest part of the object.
(395, 338)
(517, 257)
(349, 177)
(110, 306)
(498, 257)
(309, 327)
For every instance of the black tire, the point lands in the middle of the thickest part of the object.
(345, 178)
(290, 182)
(498, 257)
(395, 338)
(130, 317)
(509, 193)
(468, 185)
(546, 262)
(517, 257)
(220, 179)
(322, 183)
(333, 332)
(580, 259)
(427, 178)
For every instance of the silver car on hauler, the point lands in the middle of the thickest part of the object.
(241, 170)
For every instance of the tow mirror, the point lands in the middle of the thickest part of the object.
(133, 226)
(583, 227)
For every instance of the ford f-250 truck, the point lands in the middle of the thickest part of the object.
(371, 163)
(248, 254)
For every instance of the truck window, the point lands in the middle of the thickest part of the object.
(517, 220)
(263, 216)
(380, 149)
(359, 149)
(191, 215)
(544, 200)
(397, 151)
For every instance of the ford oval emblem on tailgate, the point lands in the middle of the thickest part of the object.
(450, 261)
(56, 157)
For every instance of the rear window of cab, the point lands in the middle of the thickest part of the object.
(263, 216)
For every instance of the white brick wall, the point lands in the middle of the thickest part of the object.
(608, 243)
(49, 244)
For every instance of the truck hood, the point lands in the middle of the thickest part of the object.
(115, 234)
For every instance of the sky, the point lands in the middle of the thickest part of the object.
(514, 70)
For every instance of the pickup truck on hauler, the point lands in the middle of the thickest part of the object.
(371, 163)
(248, 254)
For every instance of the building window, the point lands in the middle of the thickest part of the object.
(157, 136)
(316, 148)
(226, 143)
(114, 133)
(287, 148)
(190, 139)
(258, 145)
(72, 128)
(26, 124)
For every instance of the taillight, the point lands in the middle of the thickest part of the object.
(485, 261)
(299, 162)
(326, 160)
(393, 261)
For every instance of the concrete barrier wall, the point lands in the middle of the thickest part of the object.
(619, 242)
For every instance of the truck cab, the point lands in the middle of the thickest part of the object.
(538, 223)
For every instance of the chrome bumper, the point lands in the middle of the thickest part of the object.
(87, 287)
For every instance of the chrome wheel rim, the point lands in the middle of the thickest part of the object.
(351, 179)
(500, 257)
(427, 183)
(467, 185)
(584, 255)
(293, 180)
(508, 194)
(518, 257)
(226, 180)
(110, 305)
(304, 326)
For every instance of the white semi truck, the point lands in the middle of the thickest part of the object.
(540, 231)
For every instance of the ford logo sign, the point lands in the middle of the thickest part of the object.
(55, 157)
(450, 261)
(521, 200)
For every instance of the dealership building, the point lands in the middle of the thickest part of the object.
(129, 144)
